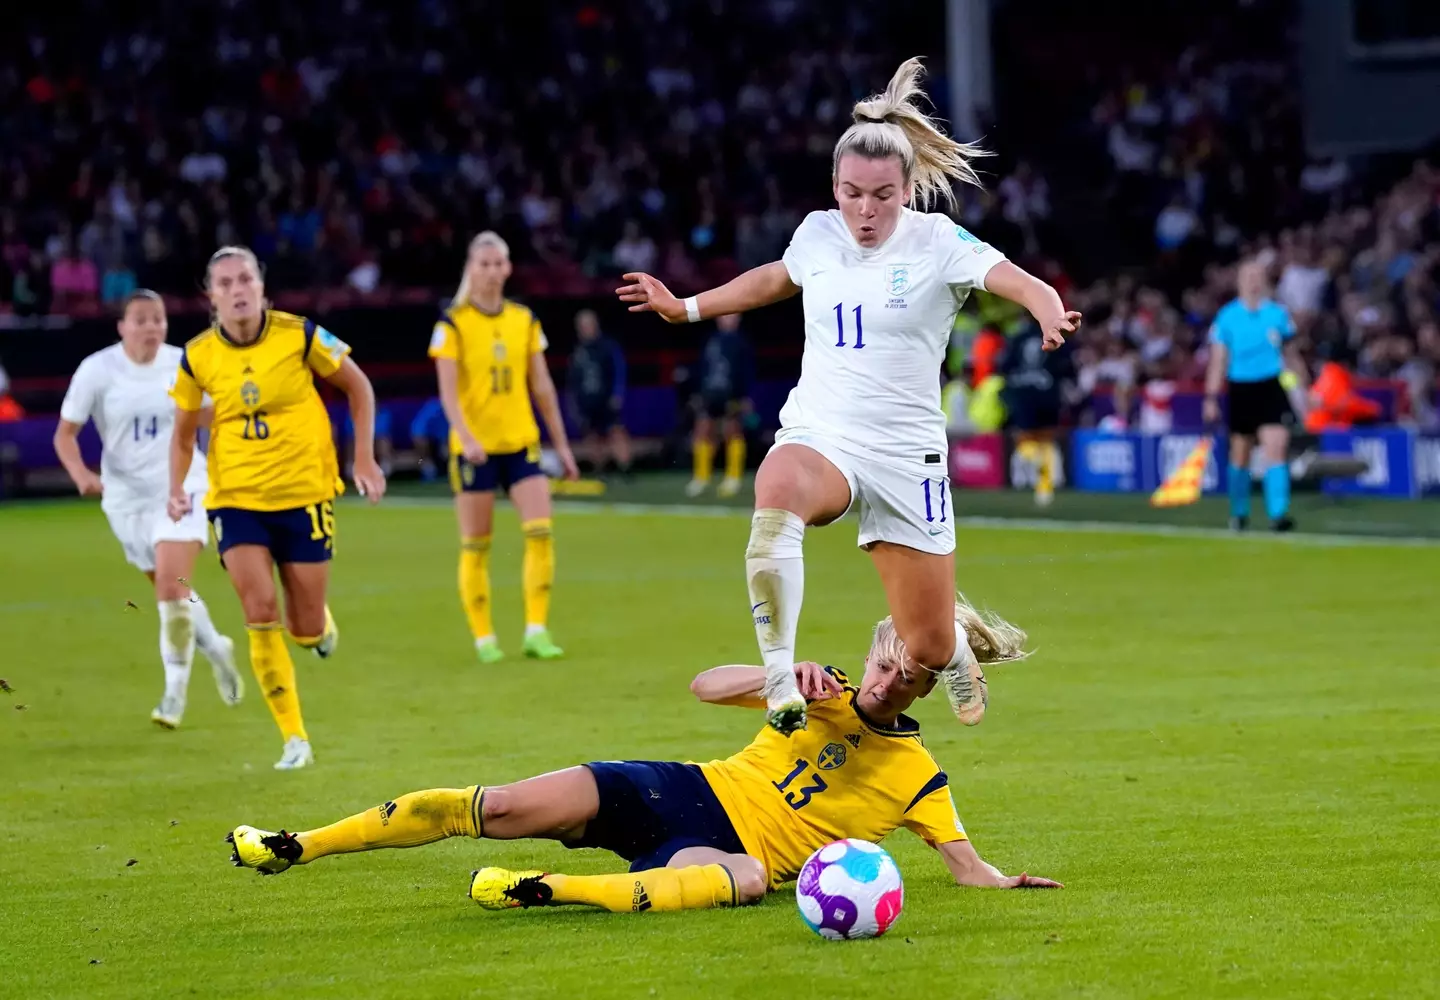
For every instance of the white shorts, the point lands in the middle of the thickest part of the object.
(140, 530)
(904, 502)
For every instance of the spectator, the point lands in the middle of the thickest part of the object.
(118, 281)
(635, 251)
(74, 281)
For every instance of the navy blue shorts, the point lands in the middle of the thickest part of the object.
(500, 471)
(298, 535)
(651, 809)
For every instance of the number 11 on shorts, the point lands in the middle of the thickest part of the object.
(941, 498)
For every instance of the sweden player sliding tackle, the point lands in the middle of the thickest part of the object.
(863, 428)
(704, 835)
(273, 471)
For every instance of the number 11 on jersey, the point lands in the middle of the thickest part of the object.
(840, 327)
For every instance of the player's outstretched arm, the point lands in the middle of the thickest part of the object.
(1021, 287)
(741, 685)
(759, 286)
(349, 379)
(970, 869)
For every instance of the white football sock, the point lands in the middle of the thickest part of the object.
(775, 571)
(177, 645)
(207, 637)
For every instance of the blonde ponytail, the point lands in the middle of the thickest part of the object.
(892, 124)
(992, 639)
(489, 238)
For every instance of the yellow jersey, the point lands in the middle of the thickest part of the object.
(493, 355)
(270, 442)
(844, 775)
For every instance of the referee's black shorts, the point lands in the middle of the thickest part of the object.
(1254, 405)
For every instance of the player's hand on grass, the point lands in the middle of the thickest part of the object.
(89, 484)
(178, 505)
(815, 683)
(1023, 881)
(369, 480)
(646, 294)
(1057, 327)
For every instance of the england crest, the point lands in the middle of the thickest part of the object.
(897, 279)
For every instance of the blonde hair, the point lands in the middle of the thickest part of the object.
(233, 251)
(992, 639)
(489, 238)
(892, 124)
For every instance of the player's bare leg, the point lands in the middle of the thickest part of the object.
(920, 589)
(795, 487)
(307, 616)
(475, 515)
(252, 571)
(531, 497)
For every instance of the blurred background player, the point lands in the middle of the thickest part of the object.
(597, 382)
(864, 427)
(722, 395)
(490, 363)
(700, 836)
(125, 390)
(273, 470)
(1033, 394)
(1251, 340)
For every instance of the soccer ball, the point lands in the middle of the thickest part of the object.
(850, 889)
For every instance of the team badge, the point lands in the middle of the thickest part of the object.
(897, 279)
(250, 394)
(499, 350)
(831, 757)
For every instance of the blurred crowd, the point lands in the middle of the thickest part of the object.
(360, 143)
(357, 145)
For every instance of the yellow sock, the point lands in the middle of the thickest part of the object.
(698, 887)
(704, 457)
(734, 458)
(409, 821)
(475, 584)
(538, 572)
(275, 672)
(1044, 469)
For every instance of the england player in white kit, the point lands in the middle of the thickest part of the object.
(124, 389)
(864, 429)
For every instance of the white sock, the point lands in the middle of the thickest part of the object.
(533, 629)
(177, 645)
(207, 637)
(775, 571)
(964, 681)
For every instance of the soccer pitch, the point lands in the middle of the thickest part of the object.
(1226, 748)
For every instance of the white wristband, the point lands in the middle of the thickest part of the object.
(692, 309)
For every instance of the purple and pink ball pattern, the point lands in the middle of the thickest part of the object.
(850, 889)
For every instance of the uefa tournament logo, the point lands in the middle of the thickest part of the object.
(897, 279)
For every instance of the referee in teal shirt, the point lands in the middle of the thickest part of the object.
(1250, 343)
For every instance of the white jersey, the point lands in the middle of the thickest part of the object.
(877, 323)
(133, 412)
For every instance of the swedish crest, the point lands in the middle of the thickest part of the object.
(831, 757)
(250, 394)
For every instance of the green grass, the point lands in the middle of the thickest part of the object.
(1226, 748)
